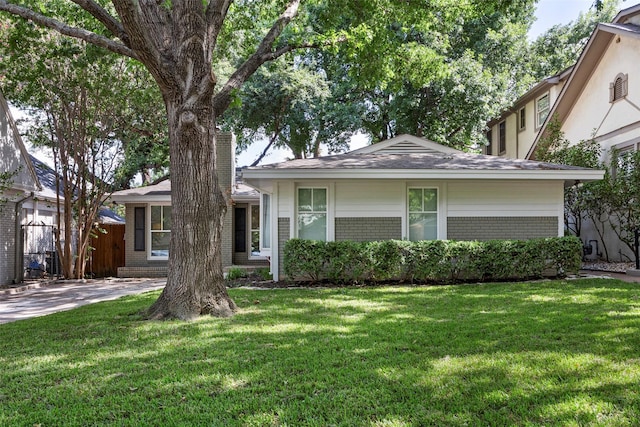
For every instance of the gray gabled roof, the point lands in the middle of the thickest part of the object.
(161, 192)
(432, 161)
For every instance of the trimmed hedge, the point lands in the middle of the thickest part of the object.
(431, 261)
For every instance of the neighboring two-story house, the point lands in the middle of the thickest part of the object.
(599, 98)
(513, 133)
(22, 184)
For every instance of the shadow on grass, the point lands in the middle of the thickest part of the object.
(497, 354)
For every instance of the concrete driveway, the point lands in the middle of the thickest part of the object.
(40, 299)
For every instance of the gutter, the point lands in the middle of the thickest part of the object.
(19, 258)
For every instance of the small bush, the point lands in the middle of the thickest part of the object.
(236, 273)
(264, 273)
(434, 261)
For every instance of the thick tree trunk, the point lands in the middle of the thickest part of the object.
(195, 282)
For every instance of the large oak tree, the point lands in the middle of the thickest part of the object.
(182, 42)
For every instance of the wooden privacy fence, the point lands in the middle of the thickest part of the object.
(108, 253)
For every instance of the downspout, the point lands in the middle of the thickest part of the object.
(19, 258)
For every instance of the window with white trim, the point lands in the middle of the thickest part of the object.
(160, 231)
(522, 119)
(265, 225)
(423, 213)
(542, 109)
(254, 233)
(312, 213)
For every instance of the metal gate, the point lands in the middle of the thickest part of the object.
(39, 255)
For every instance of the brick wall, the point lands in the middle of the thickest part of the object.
(225, 165)
(7, 243)
(283, 235)
(487, 228)
(368, 229)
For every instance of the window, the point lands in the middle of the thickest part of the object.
(265, 225)
(423, 214)
(255, 230)
(139, 216)
(312, 213)
(625, 160)
(542, 109)
(160, 231)
(619, 88)
(488, 150)
(522, 119)
(502, 135)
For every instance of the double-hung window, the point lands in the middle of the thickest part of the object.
(542, 109)
(255, 230)
(160, 231)
(522, 119)
(312, 213)
(265, 224)
(423, 214)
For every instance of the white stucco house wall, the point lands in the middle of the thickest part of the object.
(409, 188)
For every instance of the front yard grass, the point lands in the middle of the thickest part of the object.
(542, 353)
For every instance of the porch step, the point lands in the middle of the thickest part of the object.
(136, 272)
(142, 271)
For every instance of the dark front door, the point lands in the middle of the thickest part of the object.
(240, 229)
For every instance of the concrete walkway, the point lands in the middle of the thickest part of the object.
(40, 299)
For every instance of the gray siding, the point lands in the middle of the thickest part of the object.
(487, 228)
(368, 229)
(284, 234)
(7, 243)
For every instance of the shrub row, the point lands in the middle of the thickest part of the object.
(433, 261)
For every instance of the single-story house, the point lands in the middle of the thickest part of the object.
(409, 188)
(403, 188)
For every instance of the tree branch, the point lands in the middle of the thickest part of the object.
(105, 17)
(215, 15)
(262, 54)
(78, 33)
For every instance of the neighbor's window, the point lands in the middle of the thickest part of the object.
(265, 225)
(618, 88)
(423, 214)
(488, 150)
(312, 213)
(502, 137)
(160, 231)
(522, 118)
(625, 160)
(542, 109)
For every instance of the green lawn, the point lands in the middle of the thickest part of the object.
(544, 353)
